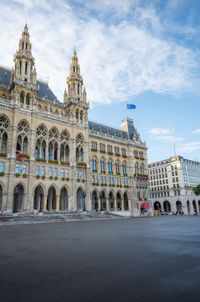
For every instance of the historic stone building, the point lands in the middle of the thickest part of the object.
(52, 158)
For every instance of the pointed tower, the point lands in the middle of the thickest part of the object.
(76, 99)
(74, 80)
(24, 71)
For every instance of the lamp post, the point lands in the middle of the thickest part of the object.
(84, 195)
(41, 200)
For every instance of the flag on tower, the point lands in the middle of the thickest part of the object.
(130, 106)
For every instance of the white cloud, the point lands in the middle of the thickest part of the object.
(189, 147)
(169, 138)
(158, 131)
(118, 60)
(196, 131)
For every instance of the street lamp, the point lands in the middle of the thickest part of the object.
(41, 200)
(84, 195)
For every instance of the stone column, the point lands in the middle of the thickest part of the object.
(122, 205)
(115, 205)
(57, 202)
(45, 203)
(99, 204)
(107, 205)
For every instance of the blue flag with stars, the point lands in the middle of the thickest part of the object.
(130, 106)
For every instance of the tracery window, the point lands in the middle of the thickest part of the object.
(4, 124)
(79, 148)
(64, 147)
(22, 138)
(41, 134)
(53, 144)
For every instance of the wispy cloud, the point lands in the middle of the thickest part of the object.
(189, 147)
(118, 60)
(196, 131)
(158, 131)
(164, 134)
(169, 138)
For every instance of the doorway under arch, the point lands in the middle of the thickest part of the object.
(125, 202)
(188, 207)
(111, 201)
(194, 207)
(178, 206)
(102, 201)
(167, 206)
(94, 200)
(119, 201)
(157, 206)
(38, 198)
(80, 200)
(18, 198)
(64, 199)
(51, 199)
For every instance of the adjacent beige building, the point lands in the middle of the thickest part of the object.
(171, 185)
(52, 158)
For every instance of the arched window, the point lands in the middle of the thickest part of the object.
(22, 98)
(136, 168)
(79, 147)
(77, 115)
(22, 138)
(64, 148)
(4, 124)
(94, 164)
(26, 67)
(28, 100)
(20, 67)
(102, 165)
(117, 168)
(53, 144)
(81, 116)
(41, 135)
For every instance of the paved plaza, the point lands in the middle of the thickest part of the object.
(141, 259)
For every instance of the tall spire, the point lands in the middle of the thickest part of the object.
(24, 61)
(75, 80)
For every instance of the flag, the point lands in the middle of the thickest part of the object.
(130, 106)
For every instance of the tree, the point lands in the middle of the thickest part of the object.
(196, 190)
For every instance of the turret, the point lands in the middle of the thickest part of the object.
(24, 61)
(74, 80)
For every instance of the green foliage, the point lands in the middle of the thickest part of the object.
(196, 190)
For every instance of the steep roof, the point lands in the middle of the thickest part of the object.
(4, 75)
(44, 89)
(107, 130)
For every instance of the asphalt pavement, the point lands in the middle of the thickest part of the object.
(152, 259)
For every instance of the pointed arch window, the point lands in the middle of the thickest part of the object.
(22, 98)
(4, 124)
(26, 67)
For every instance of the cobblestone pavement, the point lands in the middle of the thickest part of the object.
(137, 260)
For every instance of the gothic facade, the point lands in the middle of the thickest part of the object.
(52, 158)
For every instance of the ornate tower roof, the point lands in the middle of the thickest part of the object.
(24, 71)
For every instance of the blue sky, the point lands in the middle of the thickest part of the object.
(130, 51)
